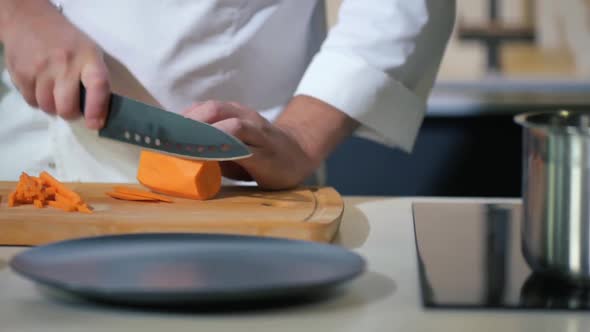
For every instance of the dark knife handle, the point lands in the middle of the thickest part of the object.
(82, 98)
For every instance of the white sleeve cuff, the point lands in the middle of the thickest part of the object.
(389, 113)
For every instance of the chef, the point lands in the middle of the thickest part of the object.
(264, 71)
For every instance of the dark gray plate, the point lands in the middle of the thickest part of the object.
(168, 269)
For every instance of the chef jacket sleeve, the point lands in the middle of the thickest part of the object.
(378, 65)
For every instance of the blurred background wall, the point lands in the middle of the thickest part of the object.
(560, 28)
(504, 57)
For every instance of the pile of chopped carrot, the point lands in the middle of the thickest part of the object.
(45, 190)
(133, 194)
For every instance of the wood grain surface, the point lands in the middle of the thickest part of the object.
(311, 214)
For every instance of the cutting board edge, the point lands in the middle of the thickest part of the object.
(321, 225)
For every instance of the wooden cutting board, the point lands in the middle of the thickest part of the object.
(311, 214)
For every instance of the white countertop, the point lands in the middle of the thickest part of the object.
(386, 298)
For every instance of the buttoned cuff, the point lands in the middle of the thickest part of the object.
(389, 113)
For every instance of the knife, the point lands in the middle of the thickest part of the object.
(149, 127)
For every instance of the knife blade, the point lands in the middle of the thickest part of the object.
(149, 127)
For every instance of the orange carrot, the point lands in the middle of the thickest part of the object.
(84, 208)
(38, 181)
(129, 197)
(43, 190)
(180, 177)
(60, 188)
(63, 199)
(63, 206)
(12, 199)
(142, 193)
(66, 202)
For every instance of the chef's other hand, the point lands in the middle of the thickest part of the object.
(47, 58)
(278, 159)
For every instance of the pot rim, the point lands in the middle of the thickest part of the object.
(523, 119)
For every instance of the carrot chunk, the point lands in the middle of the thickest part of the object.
(179, 177)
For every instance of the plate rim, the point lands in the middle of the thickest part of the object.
(206, 294)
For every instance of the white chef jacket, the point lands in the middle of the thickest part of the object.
(377, 65)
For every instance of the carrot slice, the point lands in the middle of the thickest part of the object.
(66, 202)
(38, 181)
(27, 190)
(38, 203)
(62, 206)
(60, 188)
(63, 199)
(179, 177)
(129, 197)
(84, 208)
(12, 199)
(143, 193)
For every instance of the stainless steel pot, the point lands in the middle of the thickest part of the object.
(556, 193)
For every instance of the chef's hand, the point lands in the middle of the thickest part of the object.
(47, 58)
(285, 152)
(278, 159)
